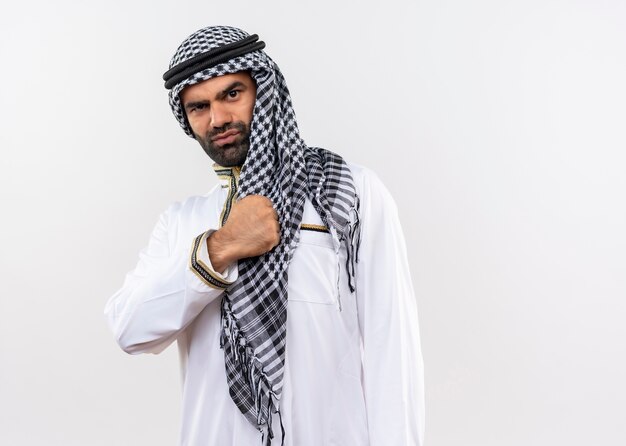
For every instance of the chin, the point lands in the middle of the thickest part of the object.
(230, 163)
(237, 158)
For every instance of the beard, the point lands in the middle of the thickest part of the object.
(227, 155)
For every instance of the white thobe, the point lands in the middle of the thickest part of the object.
(353, 366)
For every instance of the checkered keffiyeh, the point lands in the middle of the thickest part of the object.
(281, 167)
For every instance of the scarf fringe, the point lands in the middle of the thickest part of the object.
(353, 243)
(267, 434)
(256, 379)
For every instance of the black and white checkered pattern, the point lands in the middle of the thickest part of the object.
(281, 167)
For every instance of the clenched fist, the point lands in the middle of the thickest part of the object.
(252, 229)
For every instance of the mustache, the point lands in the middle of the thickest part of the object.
(240, 126)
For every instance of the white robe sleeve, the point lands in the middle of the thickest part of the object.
(162, 295)
(392, 358)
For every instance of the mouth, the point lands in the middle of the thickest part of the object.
(227, 137)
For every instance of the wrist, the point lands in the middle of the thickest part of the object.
(219, 252)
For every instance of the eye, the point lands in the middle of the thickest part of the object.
(232, 94)
(196, 108)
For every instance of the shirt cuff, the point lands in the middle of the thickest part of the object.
(200, 264)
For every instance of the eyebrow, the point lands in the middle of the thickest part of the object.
(222, 94)
(194, 104)
(232, 86)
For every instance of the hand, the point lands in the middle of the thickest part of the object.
(252, 229)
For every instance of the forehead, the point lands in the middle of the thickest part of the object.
(210, 88)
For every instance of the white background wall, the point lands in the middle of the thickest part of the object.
(497, 125)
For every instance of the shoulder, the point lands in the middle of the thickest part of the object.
(190, 205)
(369, 185)
(360, 172)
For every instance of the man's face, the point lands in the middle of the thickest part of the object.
(219, 111)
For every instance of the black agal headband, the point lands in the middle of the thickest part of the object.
(210, 59)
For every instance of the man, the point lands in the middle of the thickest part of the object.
(287, 289)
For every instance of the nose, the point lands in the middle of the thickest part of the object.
(220, 115)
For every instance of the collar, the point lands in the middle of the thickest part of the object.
(229, 179)
(227, 174)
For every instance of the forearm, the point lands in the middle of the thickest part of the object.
(148, 312)
(164, 292)
(393, 370)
